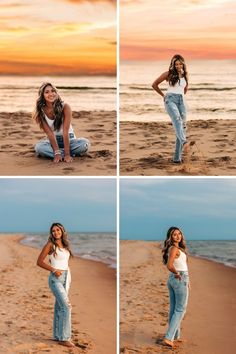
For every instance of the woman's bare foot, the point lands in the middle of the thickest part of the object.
(168, 342)
(187, 147)
(66, 343)
(180, 340)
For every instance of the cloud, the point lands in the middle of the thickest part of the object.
(129, 2)
(11, 5)
(113, 2)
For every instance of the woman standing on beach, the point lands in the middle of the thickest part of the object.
(58, 250)
(177, 79)
(54, 117)
(175, 258)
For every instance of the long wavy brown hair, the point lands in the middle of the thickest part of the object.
(64, 239)
(173, 75)
(39, 115)
(169, 242)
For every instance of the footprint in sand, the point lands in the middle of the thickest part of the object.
(103, 153)
(67, 170)
(6, 146)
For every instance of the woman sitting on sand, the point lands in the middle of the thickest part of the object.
(177, 79)
(54, 117)
(58, 250)
(174, 256)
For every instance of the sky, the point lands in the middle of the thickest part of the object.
(33, 204)
(204, 208)
(197, 29)
(58, 37)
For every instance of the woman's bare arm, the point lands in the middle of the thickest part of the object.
(43, 254)
(66, 126)
(186, 87)
(158, 81)
(170, 263)
(52, 139)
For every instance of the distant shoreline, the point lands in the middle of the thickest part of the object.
(197, 256)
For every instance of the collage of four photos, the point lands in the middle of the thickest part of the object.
(118, 176)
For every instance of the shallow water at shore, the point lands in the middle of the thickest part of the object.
(19, 93)
(210, 96)
(99, 246)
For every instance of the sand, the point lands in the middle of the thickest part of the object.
(19, 134)
(26, 305)
(209, 324)
(147, 149)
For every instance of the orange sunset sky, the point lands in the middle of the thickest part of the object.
(157, 29)
(57, 37)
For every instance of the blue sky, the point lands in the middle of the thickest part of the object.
(33, 204)
(204, 208)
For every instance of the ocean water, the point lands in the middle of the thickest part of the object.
(19, 93)
(218, 251)
(211, 94)
(94, 246)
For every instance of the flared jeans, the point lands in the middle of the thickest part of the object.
(175, 107)
(62, 309)
(78, 146)
(178, 292)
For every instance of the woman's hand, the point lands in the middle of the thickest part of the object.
(68, 158)
(57, 273)
(57, 158)
(178, 276)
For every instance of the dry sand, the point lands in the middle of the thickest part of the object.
(19, 134)
(26, 306)
(147, 148)
(209, 325)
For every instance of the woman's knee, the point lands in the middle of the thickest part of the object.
(80, 146)
(66, 306)
(38, 148)
(43, 149)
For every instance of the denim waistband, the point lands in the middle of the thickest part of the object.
(63, 271)
(60, 137)
(181, 272)
(177, 95)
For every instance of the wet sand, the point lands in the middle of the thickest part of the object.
(19, 133)
(147, 149)
(209, 324)
(27, 303)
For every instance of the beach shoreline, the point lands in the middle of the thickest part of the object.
(110, 262)
(19, 134)
(25, 295)
(208, 326)
(146, 149)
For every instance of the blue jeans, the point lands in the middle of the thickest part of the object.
(62, 308)
(77, 146)
(178, 291)
(175, 107)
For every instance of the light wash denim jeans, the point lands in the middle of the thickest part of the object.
(77, 146)
(178, 291)
(175, 107)
(62, 308)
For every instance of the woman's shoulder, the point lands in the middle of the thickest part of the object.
(66, 106)
(50, 246)
(173, 249)
(165, 75)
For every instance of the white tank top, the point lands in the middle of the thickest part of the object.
(50, 123)
(178, 88)
(60, 260)
(180, 263)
